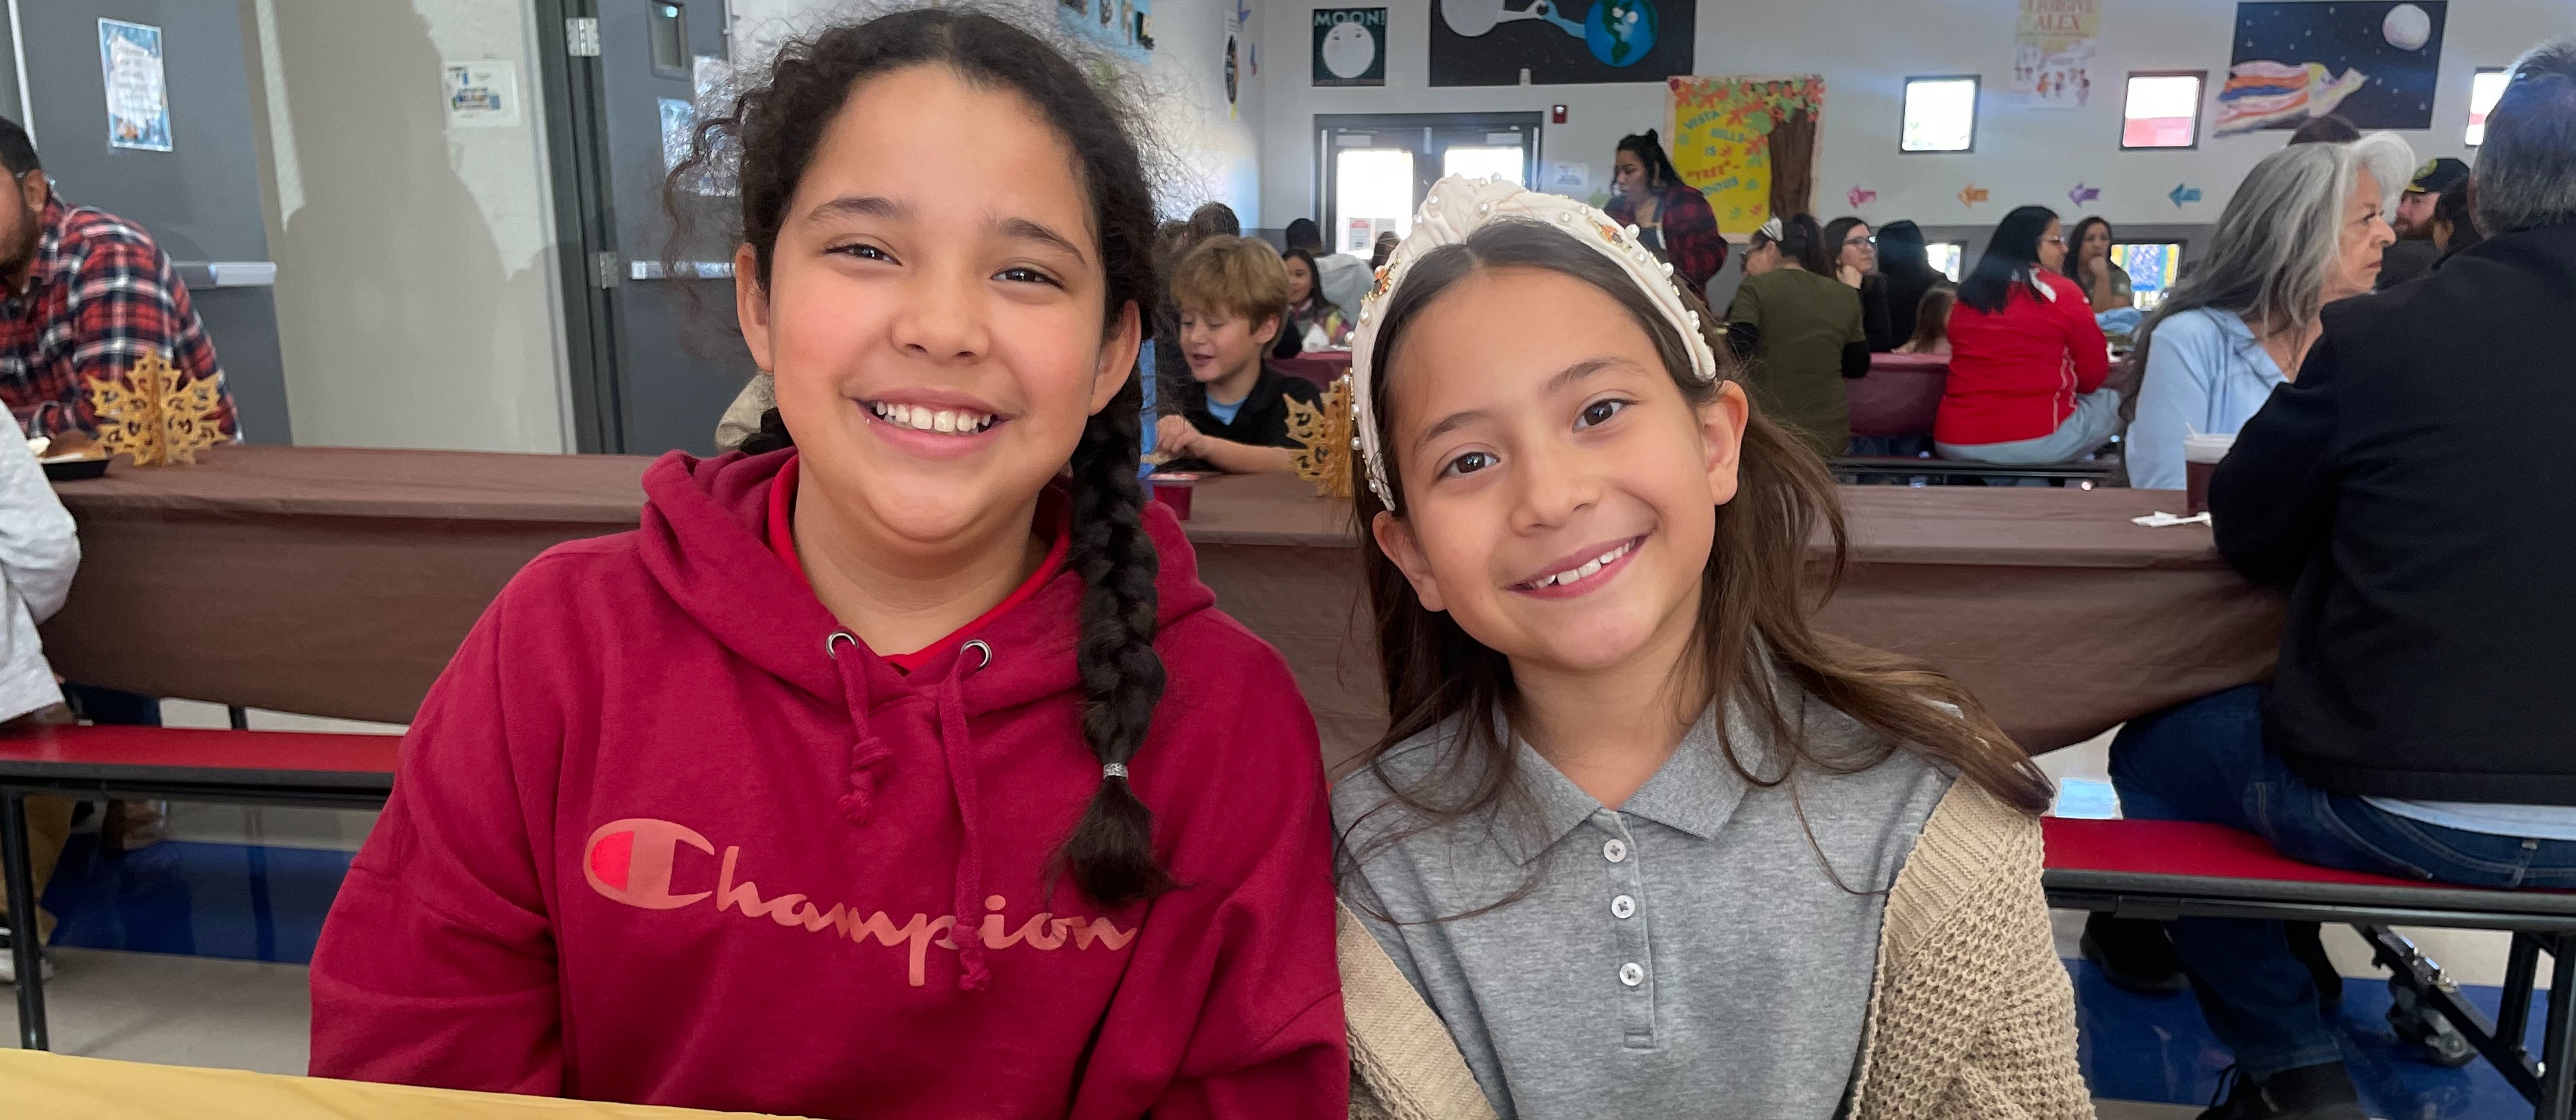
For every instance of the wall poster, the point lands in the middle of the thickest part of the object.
(138, 102)
(1350, 46)
(1126, 27)
(2375, 63)
(483, 94)
(1560, 42)
(2053, 53)
(1749, 144)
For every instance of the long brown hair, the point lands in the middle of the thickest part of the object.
(1755, 604)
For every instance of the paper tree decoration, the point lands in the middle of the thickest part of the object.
(1323, 435)
(154, 414)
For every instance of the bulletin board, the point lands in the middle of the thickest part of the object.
(1749, 144)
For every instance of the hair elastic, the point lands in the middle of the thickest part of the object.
(1457, 207)
(1113, 770)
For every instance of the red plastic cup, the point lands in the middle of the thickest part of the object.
(1174, 490)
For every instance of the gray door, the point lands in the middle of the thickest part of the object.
(677, 358)
(200, 199)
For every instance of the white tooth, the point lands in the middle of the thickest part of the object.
(1587, 569)
(943, 421)
(1612, 555)
(920, 419)
(899, 414)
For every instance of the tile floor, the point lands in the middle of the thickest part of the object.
(191, 952)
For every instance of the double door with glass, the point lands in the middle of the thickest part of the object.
(1375, 170)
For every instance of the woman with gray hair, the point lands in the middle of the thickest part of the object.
(2305, 229)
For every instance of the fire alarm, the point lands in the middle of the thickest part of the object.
(1556, 114)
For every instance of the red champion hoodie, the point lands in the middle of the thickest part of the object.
(652, 841)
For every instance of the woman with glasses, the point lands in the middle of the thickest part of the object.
(1855, 253)
(2027, 362)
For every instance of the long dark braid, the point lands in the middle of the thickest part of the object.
(775, 127)
(1111, 852)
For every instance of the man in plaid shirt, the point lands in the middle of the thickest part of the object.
(87, 294)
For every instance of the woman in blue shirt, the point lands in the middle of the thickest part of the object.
(2305, 229)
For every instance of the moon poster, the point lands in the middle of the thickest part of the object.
(1560, 42)
(1350, 46)
(2374, 64)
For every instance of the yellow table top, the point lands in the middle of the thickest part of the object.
(43, 1086)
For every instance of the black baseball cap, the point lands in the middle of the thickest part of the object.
(2438, 175)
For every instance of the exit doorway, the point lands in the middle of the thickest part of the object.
(1374, 170)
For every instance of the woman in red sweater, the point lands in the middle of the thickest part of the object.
(2026, 359)
(906, 771)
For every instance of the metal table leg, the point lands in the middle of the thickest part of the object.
(22, 920)
(2558, 1037)
(2520, 968)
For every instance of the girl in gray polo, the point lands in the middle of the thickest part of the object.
(1639, 842)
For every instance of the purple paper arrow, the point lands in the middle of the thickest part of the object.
(2083, 194)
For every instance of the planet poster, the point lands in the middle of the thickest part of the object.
(1560, 42)
(2374, 64)
(1350, 46)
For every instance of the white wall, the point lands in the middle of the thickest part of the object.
(416, 300)
(1211, 155)
(1864, 49)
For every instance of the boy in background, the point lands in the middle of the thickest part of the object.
(1233, 295)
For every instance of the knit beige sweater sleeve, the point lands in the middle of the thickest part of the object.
(1972, 1013)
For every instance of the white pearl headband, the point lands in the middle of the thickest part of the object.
(1457, 207)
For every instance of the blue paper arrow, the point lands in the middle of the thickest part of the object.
(2182, 194)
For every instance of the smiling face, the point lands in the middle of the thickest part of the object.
(1560, 493)
(1301, 280)
(1223, 344)
(934, 309)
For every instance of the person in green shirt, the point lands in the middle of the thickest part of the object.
(1799, 331)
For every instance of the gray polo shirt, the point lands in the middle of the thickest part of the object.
(1684, 954)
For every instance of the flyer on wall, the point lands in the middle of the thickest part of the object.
(2053, 53)
(138, 102)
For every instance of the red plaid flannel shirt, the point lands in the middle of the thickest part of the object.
(1688, 230)
(100, 296)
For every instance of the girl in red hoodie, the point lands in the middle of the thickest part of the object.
(895, 774)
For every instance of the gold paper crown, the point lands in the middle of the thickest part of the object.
(1323, 434)
(154, 414)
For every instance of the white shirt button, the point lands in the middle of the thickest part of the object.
(1632, 974)
(1623, 907)
(1615, 851)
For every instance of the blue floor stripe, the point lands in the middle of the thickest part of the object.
(206, 900)
(2149, 1048)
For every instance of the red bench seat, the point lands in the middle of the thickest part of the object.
(165, 756)
(2143, 860)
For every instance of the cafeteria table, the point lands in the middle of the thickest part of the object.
(2061, 615)
(1322, 367)
(34, 1083)
(337, 582)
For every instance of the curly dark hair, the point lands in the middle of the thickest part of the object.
(772, 130)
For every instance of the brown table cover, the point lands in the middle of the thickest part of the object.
(337, 582)
(1322, 367)
(2064, 618)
